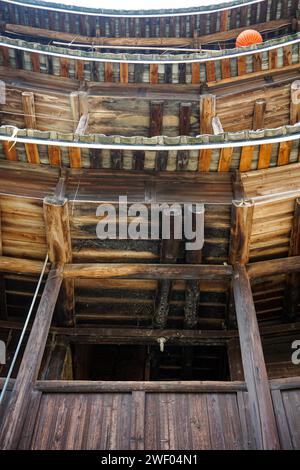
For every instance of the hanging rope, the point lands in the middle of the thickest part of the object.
(23, 332)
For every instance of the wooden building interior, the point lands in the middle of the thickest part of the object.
(143, 344)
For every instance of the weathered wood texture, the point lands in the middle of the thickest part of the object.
(19, 404)
(143, 420)
(262, 413)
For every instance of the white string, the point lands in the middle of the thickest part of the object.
(23, 332)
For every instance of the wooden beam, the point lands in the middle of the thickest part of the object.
(241, 226)
(20, 401)
(146, 271)
(275, 266)
(207, 112)
(85, 386)
(295, 102)
(259, 395)
(20, 265)
(259, 114)
(29, 109)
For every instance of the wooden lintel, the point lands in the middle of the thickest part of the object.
(146, 271)
(259, 395)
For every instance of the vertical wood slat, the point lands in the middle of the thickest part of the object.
(225, 68)
(153, 74)
(204, 159)
(75, 157)
(260, 401)
(137, 421)
(225, 159)
(210, 71)
(32, 153)
(246, 157)
(264, 156)
(195, 73)
(156, 118)
(29, 109)
(284, 153)
(54, 155)
(241, 65)
(123, 73)
(185, 112)
(108, 72)
(35, 62)
(3, 304)
(10, 151)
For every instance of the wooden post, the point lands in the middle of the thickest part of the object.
(169, 252)
(241, 225)
(292, 288)
(29, 109)
(19, 404)
(259, 114)
(207, 112)
(295, 102)
(56, 216)
(3, 306)
(260, 401)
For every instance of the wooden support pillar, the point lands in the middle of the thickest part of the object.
(59, 364)
(29, 109)
(241, 225)
(292, 288)
(207, 112)
(20, 402)
(260, 401)
(192, 291)
(169, 252)
(295, 102)
(56, 215)
(79, 108)
(259, 114)
(3, 306)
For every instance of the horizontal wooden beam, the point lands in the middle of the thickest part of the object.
(20, 265)
(146, 271)
(274, 266)
(85, 386)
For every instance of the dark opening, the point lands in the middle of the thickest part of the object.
(131, 362)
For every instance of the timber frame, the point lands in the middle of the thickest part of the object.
(110, 115)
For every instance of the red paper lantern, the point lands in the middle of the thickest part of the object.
(248, 38)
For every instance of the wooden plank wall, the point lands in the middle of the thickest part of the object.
(142, 420)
